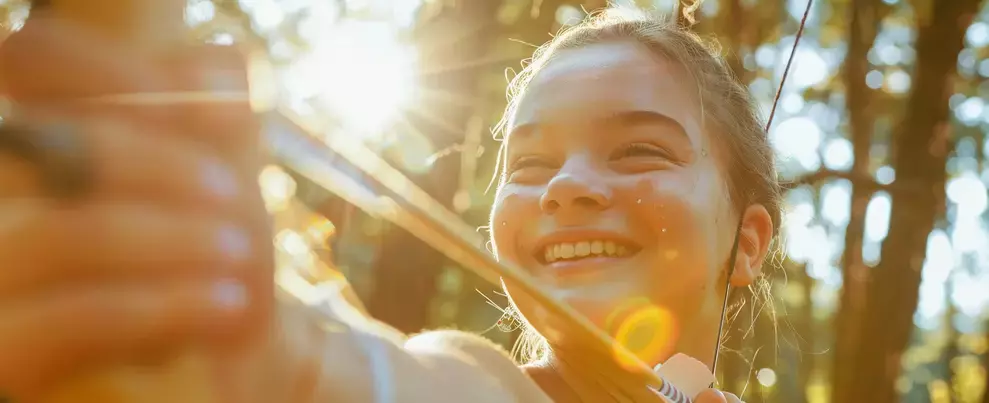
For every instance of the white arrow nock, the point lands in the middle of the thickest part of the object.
(683, 378)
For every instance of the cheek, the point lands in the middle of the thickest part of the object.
(508, 213)
(682, 213)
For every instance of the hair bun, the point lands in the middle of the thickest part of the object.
(687, 8)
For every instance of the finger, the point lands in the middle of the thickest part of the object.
(44, 338)
(44, 246)
(165, 167)
(122, 162)
(711, 396)
(129, 163)
(44, 87)
(35, 59)
(207, 100)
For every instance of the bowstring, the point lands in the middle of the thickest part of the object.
(789, 62)
(738, 230)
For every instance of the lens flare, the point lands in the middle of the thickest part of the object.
(644, 329)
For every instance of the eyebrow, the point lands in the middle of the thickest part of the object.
(643, 117)
(621, 118)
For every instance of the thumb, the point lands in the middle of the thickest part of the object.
(711, 396)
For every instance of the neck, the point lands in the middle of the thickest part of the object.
(700, 345)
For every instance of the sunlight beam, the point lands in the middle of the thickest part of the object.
(359, 72)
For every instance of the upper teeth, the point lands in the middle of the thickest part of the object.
(568, 250)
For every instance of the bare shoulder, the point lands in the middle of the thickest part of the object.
(481, 352)
(470, 346)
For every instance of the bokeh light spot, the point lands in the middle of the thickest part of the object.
(766, 377)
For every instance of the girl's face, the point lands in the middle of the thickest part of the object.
(616, 200)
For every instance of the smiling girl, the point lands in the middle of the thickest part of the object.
(634, 162)
(637, 184)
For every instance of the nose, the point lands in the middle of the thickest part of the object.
(579, 189)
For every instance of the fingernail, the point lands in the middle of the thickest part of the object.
(230, 294)
(220, 180)
(234, 243)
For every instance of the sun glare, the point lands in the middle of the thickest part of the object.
(360, 73)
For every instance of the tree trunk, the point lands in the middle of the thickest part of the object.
(806, 328)
(921, 145)
(985, 364)
(951, 351)
(863, 28)
(451, 39)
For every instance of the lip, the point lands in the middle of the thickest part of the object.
(577, 235)
(584, 269)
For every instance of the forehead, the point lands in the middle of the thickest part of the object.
(605, 79)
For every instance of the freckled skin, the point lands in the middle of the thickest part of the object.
(608, 137)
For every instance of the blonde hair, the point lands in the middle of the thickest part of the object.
(727, 107)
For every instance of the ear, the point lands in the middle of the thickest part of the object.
(753, 245)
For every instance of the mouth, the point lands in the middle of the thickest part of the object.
(578, 250)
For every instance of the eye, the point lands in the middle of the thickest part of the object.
(528, 168)
(525, 162)
(641, 150)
